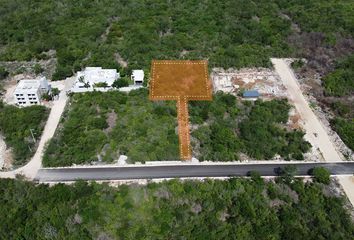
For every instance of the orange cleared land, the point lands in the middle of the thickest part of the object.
(182, 81)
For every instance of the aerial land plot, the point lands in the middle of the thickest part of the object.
(16, 125)
(98, 127)
(181, 81)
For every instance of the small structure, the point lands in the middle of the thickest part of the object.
(251, 94)
(29, 92)
(95, 78)
(138, 77)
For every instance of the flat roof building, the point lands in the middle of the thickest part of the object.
(251, 94)
(29, 92)
(95, 78)
(138, 77)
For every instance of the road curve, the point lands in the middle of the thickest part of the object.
(180, 171)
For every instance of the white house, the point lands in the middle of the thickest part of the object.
(138, 77)
(29, 92)
(95, 78)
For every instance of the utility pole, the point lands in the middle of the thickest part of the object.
(31, 130)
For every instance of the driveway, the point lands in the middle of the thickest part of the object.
(315, 132)
(31, 168)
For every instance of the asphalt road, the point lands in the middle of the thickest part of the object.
(182, 171)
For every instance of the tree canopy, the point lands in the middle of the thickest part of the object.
(210, 209)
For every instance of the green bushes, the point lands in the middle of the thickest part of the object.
(228, 37)
(146, 131)
(3, 73)
(265, 139)
(321, 175)
(173, 209)
(15, 126)
(345, 129)
(140, 131)
(122, 82)
(37, 69)
(343, 122)
(340, 82)
(254, 129)
(310, 17)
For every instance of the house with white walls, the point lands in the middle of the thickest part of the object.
(137, 77)
(95, 78)
(29, 91)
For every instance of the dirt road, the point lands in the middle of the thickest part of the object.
(31, 168)
(315, 132)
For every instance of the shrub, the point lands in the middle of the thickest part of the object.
(321, 175)
(37, 69)
(122, 82)
(3, 73)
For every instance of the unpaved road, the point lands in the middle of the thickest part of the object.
(311, 125)
(31, 168)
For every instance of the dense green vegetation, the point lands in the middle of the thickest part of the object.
(343, 122)
(3, 73)
(230, 209)
(229, 36)
(340, 82)
(15, 125)
(253, 128)
(321, 175)
(143, 130)
(330, 17)
(345, 129)
(90, 33)
(101, 126)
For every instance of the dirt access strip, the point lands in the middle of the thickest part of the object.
(181, 80)
(315, 132)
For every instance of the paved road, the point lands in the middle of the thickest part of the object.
(179, 171)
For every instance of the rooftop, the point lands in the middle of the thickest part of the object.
(97, 74)
(138, 75)
(29, 84)
(251, 93)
